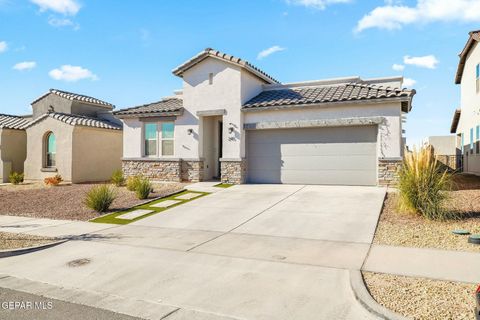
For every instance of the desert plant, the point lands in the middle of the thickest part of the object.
(118, 178)
(15, 177)
(100, 197)
(53, 181)
(144, 187)
(422, 185)
(132, 182)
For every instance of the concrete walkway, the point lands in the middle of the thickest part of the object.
(426, 263)
(246, 252)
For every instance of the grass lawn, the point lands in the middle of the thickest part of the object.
(112, 217)
(223, 185)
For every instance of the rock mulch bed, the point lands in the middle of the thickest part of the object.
(66, 201)
(420, 298)
(10, 241)
(403, 229)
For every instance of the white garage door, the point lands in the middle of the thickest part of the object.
(333, 155)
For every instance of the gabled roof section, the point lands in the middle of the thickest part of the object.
(76, 120)
(76, 97)
(325, 94)
(473, 37)
(455, 120)
(12, 122)
(209, 52)
(164, 107)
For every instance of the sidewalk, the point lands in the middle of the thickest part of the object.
(425, 263)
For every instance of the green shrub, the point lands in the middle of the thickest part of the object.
(15, 177)
(100, 197)
(422, 185)
(144, 187)
(117, 178)
(132, 182)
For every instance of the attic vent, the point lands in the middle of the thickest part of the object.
(210, 78)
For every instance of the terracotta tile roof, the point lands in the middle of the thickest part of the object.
(455, 120)
(77, 120)
(209, 52)
(473, 36)
(324, 94)
(76, 97)
(12, 122)
(167, 105)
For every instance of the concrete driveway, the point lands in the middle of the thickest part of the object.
(246, 252)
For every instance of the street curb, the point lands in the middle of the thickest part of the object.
(362, 295)
(17, 252)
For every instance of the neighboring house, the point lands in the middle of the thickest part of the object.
(466, 120)
(73, 135)
(446, 150)
(13, 141)
(235, 122)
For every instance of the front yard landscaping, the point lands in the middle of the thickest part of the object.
(396, 228)
(424, 299)
(66, 201)
(10, 241)
(150, 208)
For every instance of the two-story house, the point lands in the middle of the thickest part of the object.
(233, 121)
(466, 120)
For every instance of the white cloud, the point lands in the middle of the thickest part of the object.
(72, 73)
(66, 7)
(393, 16)
(26, 65)
(429, 62)
(3, 46)
(408, 82)
(63, 22)
(398, 67)
(316, 4)
(265, 53)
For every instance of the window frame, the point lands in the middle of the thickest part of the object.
(477, 77)
(158, 139)
(48, 163)
(471, 140)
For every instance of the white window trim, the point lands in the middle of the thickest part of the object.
(159, 139)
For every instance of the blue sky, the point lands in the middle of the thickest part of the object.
(124, 51)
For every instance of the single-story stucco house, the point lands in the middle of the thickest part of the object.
(233, 121)
(69, 134)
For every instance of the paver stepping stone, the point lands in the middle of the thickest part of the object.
(134, 214)
(165, 204)
(188, 196)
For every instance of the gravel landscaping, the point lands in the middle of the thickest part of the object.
(10, 241)
(66, 201)
(420, 298)
(403, 229)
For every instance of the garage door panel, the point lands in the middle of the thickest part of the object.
(274, 149)
(343, 155)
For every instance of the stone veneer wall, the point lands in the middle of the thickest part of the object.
(233, 171)
(192, 170)
(153, 169)
(451, 161)
(388, 171)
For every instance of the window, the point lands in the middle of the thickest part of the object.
(462, 149)
(471, 139)
(477, 138)
(150, 139)
(50, 150)
(477, 77)
(162, 132)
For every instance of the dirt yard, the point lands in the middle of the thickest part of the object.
(66, 201)
(402, 229)
(10, 241)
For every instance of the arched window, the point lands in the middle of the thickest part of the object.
(50, 150)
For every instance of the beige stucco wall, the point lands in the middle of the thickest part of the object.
(96, 154)
(35, 149)
(13, 151)
(470, 105)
